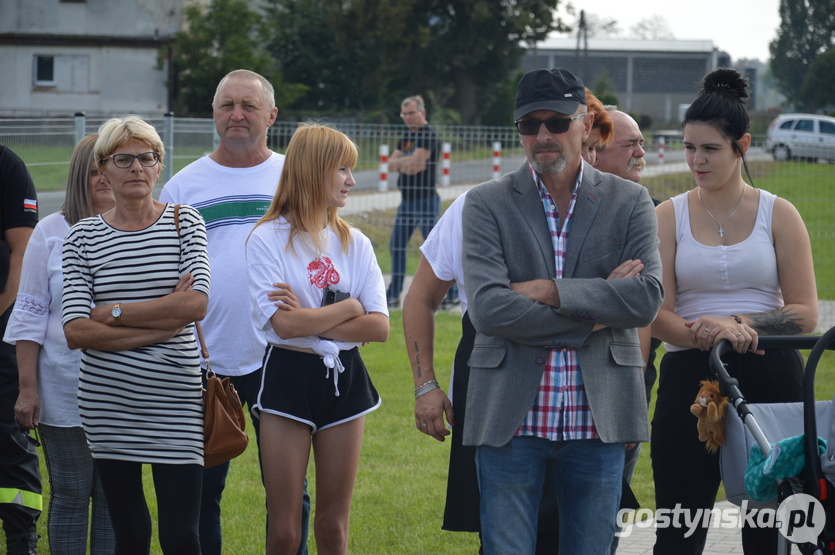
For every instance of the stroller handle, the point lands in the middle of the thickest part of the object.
(730, 388)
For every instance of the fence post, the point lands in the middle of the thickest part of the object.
(80, 126)
(384, 168)
(497, 160)
(661, 149)
(446, 148)
(168, 139)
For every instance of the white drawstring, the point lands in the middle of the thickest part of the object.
(329, 352)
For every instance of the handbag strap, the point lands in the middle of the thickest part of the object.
(203, 349)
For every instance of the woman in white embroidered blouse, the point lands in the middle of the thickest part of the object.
(49, 370)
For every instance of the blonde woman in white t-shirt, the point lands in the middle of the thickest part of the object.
(318, 292)
(737, 263)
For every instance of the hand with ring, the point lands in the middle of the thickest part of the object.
(430, 410)
(705, 331)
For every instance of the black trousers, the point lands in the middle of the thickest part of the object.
(177, 487)
(18, 459)
(461, 513)
(684, 472)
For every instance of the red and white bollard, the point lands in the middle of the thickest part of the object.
(497, 160)
(661, 149)
(384, 168)
(445, 149)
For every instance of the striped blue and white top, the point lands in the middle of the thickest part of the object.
(144, 404)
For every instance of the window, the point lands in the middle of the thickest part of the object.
(62, 73)
(827, 127)
(805, 125)
(787, 124)
(44, 71)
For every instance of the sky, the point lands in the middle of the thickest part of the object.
(743, 28)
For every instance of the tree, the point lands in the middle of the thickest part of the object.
(652, 28)
(600, 27)
(305, 48)
(473, 45)
(819, 84)
(807, 29)
(604, 90)
(225, 36)
(376, 52)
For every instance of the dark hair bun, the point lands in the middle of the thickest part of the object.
(725, 81)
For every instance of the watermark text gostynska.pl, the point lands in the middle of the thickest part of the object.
(800, 518)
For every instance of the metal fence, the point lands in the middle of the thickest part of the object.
(475, 155)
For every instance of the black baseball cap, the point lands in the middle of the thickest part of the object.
(555, 89)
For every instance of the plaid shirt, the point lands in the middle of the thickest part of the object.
(561, 411)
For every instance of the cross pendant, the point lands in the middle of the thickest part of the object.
(721, 231)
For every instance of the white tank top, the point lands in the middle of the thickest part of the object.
(724, 280)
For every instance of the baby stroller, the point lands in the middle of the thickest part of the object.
(767, 425)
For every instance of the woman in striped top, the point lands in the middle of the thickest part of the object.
(140, 393)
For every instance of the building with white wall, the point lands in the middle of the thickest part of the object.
(59, 57)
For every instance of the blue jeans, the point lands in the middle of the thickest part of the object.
(423, 214)
(214, 478)
(587, 477)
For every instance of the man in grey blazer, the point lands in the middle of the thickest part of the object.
(561, 266)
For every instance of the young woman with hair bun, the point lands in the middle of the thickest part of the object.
(737, 263)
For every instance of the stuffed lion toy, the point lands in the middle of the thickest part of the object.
(710, 408)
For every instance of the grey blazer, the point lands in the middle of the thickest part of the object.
(506, 240)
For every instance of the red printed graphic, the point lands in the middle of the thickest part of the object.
(322, 273)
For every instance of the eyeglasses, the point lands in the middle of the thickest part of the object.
(33, 441)
(124, 161)
(404, 114)
(553, 125)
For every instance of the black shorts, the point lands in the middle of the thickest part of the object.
(299, 386)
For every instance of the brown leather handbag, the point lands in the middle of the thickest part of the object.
(224, 424)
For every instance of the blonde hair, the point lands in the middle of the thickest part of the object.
(314, 153)
(116, 132)
(77, 203)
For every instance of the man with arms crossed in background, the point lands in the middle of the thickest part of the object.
(232, 188)
(416, 158)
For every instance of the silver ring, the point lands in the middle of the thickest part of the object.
(423, 425)
(706, 330)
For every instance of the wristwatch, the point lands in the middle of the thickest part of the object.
(116, 312)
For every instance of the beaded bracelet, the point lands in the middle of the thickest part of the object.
(426, 388)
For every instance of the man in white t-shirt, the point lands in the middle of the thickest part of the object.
(232, 188)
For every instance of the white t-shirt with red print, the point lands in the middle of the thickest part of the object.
(271, 259)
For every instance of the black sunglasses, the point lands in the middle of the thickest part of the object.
(33, 441)
(553, 125)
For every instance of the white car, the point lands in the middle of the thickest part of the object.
(801, 136)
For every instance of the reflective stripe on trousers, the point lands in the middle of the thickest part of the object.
(28, 499)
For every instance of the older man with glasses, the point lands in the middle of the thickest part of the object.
(561, 266)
